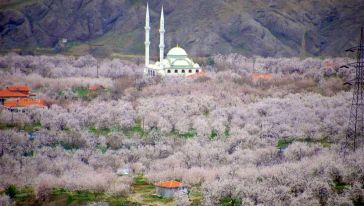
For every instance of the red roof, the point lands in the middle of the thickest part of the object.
(256, 76)
(96, 87)
(25, 102)
(169, 184)
(18, 88)
(10, 94)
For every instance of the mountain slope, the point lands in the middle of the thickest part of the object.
(250, 27)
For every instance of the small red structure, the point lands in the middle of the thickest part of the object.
(170, 184)
(18, 96)
(96, 87)
(330, 64)
(5, 94)
(11, 92)
(169, 188)
(25, 102)
(257, 76)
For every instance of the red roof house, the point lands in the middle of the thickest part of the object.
(170, 184)
(169, 188)
(25, 102)
(96, 87)
(9, 94)
(257, 76)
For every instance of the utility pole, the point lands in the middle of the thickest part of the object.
(254, 59)
(355, 133)
(91, 47)
(97, 69)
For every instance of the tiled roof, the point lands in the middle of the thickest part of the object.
(169, 184)
(25, 102)
(10, 94)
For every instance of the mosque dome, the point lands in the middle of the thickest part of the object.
(177, 52)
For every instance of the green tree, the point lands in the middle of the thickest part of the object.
(11, 191)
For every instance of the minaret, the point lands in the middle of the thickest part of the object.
(161, 40)
(147, 42)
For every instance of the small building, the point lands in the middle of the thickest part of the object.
(169, 188)
(25, 102)
(17, 96)
(258, 76)
(96, 87)
(6, 94)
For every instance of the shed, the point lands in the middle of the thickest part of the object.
(169, 188)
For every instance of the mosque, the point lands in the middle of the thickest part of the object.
(176, 63)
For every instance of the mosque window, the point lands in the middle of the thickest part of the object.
(168, 71)
(190, 71)
(197, 71)
(176, 71)
(183, 71)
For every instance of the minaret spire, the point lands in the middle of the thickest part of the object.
(147, 41)
(161, 40)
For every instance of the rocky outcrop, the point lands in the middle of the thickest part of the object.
(251, 27)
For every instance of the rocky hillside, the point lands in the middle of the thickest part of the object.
(250, 27)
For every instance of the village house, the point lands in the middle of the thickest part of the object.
(258, 76)
(169, 188)
(6, 94)
(25, 102)
(96, 87)
(17, 96)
